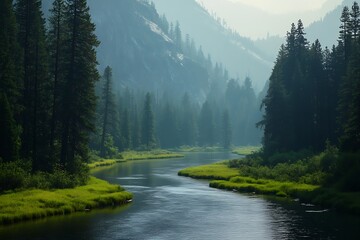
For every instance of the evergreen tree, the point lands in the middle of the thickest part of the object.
(206, 126)
(35, 117)
(9, 139)
(9, 57)
(57, 49)
(355, 20)
(188, 128)
(226, 130)
(350, 139)
(125, 131)
(78, 97)
(178, 36)
(147, 130)
(108, 109)
(135, 128)
(168, 129)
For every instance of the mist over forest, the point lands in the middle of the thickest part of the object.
(87, 87)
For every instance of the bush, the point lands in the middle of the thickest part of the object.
(12, 175)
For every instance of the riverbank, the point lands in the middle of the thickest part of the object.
(224, 177)
(246, 150)
(35, 204)
(134, 155)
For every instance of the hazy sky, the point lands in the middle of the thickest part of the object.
(271, 16)
(283, 6)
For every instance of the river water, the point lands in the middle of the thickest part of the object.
(169, 207)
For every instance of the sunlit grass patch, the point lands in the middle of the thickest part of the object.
(211, 171)
(34, 204)
(246, 150)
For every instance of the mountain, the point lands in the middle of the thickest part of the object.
(327, 29)
(142, 56)
(239, 54)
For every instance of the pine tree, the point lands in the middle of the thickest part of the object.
(125, 131)
(350, 94)
(355, 20)
(108, 108)
(188, 127)
(147, 130)
(78, 97)
(168, 129)
(9, 139)
(31, 35)
(10, 69)
(206, 126)
(178, 36)
(226, 130)
(57, 48)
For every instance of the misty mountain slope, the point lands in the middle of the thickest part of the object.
(142, 56)
(238, 54)
(326, 29)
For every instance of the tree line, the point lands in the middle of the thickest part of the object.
(313, 95)
(47, 84)
(130, 119)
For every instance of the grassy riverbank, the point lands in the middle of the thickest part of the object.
(246, 150)
(133, 155)
(224, 177)
(34, 204)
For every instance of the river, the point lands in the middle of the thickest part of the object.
(169, 207)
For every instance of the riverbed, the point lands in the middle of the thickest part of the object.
(170, 207)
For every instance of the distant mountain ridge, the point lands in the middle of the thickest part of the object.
(239, 54)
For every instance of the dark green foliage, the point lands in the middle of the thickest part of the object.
(9, 132)
(313, 101)
(57, 49)
(10, 67)
(31, 37)
(13, 175)
(79, 100)
(169, 128)
(108, 112)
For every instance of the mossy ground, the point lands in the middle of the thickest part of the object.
(35, 204)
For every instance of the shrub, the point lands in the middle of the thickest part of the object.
(12, 175)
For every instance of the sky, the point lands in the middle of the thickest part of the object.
(272, 17)
(284, 6)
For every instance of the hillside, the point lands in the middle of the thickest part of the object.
(239, 54)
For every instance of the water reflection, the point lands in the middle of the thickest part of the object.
(167, 206)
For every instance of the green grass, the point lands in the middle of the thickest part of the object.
(246, 150)
(104, 162)
(154, 154)
(218, 171)
(227, 178)
(35, 204)
(262, 186)
(200, 149)
(133, 155)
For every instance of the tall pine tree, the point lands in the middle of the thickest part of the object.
(78, 97)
